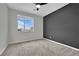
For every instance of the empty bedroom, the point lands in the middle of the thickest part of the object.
(39, 29)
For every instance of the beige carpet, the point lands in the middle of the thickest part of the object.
(41, 47)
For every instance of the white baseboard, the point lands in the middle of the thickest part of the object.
(25, 40)
(2, 50)
(63, 44)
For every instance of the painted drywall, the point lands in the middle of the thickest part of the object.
(16, 36)
(3, 27)
(63, 25)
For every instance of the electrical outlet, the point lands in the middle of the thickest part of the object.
(50, 37)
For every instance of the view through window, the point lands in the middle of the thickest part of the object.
(25, 23)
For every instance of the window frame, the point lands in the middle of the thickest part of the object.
(24, 22)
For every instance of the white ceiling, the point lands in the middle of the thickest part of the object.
(44, 10)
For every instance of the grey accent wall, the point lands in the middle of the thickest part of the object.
(3, 27)
(63, 25)
(15, 36)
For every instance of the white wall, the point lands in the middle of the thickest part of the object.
(3, 27)
(15, 36)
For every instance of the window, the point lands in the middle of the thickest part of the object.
(25, 24)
